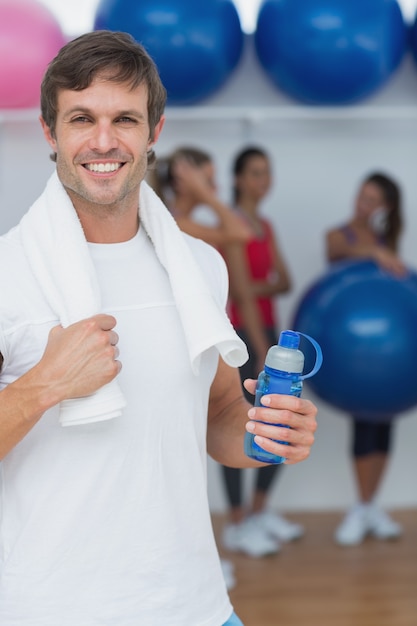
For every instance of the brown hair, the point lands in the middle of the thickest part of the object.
(161, 176)
(116, 55)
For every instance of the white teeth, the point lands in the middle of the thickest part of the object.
(103, 167)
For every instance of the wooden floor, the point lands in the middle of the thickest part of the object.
(314, 582)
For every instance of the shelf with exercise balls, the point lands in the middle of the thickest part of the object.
(196, 45)
(365, 321)
(30, 37)
(330, 52)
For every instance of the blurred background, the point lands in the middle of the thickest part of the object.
(321, 143)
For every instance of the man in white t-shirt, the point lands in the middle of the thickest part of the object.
(107, 523)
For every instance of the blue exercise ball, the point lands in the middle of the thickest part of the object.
(413, 38)
(366, 323)
(330, 51)
(196, 46)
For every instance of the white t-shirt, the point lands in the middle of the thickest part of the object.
(108, 524)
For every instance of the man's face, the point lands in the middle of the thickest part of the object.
(101, 141)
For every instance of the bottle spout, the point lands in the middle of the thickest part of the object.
(289, 339)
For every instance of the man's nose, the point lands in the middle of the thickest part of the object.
(104, 137)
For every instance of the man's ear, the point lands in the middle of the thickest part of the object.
(157, 132)
(48, 134)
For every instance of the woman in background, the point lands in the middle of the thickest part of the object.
(185, 180)
(372, 233)
(258, 273)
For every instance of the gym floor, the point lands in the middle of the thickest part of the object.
(314, 582)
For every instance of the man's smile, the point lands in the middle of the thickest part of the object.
(103, 167)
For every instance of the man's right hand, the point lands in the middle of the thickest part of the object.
(80, 358)
(77, 361)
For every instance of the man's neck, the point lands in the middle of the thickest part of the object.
(107, 223)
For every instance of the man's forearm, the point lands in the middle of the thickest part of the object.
(22, 404)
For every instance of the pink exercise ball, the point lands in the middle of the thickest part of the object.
(30, 37)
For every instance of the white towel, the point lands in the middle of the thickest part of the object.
(205, 323)
(54, 242)
(55, 245)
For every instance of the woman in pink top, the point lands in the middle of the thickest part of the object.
(258, 274)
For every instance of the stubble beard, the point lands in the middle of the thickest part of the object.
(103, 202)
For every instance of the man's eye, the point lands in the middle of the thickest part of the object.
(80, 119)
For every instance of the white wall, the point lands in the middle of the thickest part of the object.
(319, 158)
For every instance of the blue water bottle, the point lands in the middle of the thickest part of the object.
(282, 374)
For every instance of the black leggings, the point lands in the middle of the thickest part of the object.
(264, 475)
(233, 482)
(371, 437)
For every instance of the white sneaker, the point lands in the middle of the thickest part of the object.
(248, 537)
(278, 527)
(354, 527)
(381, 525)
(228, 573)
